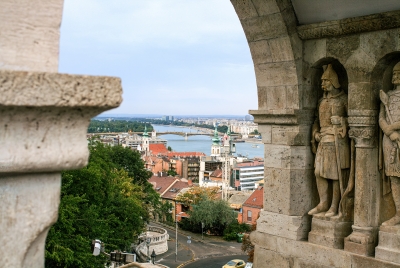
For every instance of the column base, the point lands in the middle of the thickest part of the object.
(389, 244)
(361, 241)
(329, 232)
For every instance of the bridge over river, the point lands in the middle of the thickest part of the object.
(183, 134)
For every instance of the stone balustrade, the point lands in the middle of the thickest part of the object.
(158, 242)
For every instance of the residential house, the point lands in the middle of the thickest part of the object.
(236, 202)
(169, 188)
(252, 207)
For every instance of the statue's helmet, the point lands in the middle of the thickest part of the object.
(396, 68)
(331, 75)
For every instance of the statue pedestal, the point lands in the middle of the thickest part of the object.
(388, 248)
(329, 232)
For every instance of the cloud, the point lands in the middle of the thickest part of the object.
(173, 56)
(135, 22)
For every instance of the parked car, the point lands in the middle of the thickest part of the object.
(249, 265)
(236, 263)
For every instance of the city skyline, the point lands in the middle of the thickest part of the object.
(181, 57)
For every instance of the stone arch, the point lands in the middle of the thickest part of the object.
(270, 29)
(382, 74)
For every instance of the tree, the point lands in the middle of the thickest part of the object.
(108, 200)
(215, 214)
(197, 194)
(231, 231)
(169, 148)
(171, 172)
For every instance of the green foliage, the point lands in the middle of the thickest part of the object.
(169, 148)
(110, 200)
(255, 132)
(197, 194)
(101, 126)
(231, 231)
(172, 172)
(215, 214)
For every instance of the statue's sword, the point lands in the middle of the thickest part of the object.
(339, 169)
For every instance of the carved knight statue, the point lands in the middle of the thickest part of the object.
(389, 121)
(332, 160)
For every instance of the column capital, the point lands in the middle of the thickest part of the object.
(44, 118)
(364, 136)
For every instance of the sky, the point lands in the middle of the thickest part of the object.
(175, 57)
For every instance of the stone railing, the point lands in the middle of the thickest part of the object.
(158, 243)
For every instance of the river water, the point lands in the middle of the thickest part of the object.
(200, 143)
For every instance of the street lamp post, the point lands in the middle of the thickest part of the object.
(176, 237)
(148, 240)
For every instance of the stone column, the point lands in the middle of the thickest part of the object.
(363, 130)
(289, 169)
(43, 124)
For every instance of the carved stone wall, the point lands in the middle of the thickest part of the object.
(288, 62)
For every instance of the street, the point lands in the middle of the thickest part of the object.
(213, 251)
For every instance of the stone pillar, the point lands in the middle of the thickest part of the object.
(43, 124)
(363, 130)
(289, 168)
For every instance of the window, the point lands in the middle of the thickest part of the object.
(249, 215)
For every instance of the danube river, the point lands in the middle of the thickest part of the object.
(200, 143)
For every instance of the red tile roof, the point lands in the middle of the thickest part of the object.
(175, 189)
(256, 198)
(162, 184)
(158, 148)
(216, 173)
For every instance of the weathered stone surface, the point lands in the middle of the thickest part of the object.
(29, 206)
(341, 48)
(260, 51)
(267, 133)
(254, 28)
(292, 227)
(314, 50)
(292, 183)
(270, 75)
(361, 96)
(44, 118)
(266, 7)
(329, 233)
(35, 89)
(305, 254)
(389, 244)
(370, 23)
(269, 258)
(29, 34)
(287, 157)
(281, 49)
(244, 9)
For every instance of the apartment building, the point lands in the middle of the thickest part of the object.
(247, 175)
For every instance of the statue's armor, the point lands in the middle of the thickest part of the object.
(390, 149)
(325, 161)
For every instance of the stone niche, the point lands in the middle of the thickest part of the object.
(289, 62)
